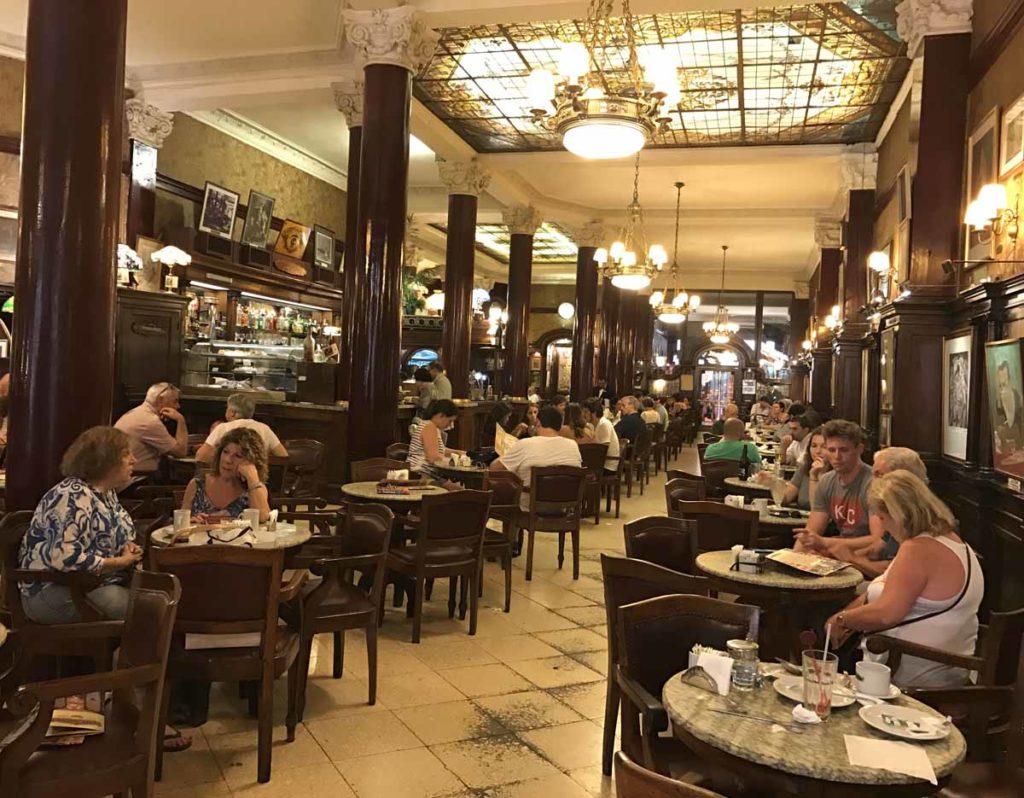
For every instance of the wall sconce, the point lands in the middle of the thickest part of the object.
(989, 211)
(807, 345)
(566, 310)
(879, 262)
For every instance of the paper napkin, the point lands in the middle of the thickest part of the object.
(896, 757)
(719, 668)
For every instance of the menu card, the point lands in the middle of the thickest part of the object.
(807, 563)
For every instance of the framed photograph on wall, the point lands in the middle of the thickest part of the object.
(982, 158)
(219, 206)
(258, 213)
(956, 395)
(1011, 137)
(323, 247)
(292, 239)
(1005, 408)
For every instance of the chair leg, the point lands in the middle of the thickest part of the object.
(371, 661)
(266, 728)
(506, 564)
(417, 612)
(165, 702)
(561, 549)
(464, 583)
(607, 498)
(618, 499)
(292, 715)
(611, 716)
(529, 554)
(305, 654)
(339, 654)
(576, 553)
(474, 601)
(451, 596)
(480, 579)
(430, 589)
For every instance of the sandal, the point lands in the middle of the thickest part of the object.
(175, 741)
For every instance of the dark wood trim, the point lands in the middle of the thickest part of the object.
(993, 45)
(245, 278)
(10, 145)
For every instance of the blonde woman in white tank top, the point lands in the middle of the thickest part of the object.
(931, 592)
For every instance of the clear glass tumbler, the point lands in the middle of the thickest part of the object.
(744, 667)
(819, 680)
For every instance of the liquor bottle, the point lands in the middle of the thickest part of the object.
(744, 462)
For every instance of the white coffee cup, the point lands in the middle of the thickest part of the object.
(182, 519)
(734, 501)
(873, 678)
(252, 517)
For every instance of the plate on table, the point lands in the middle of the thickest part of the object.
(906, 723)
(790, 686)
(894, 692)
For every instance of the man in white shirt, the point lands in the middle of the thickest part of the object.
(604, 432)
(442, 387)
(241, 407)
(795, 442)
(546, 448)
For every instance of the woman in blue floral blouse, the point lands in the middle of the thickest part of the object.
(79, 525)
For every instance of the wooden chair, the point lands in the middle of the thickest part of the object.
(720, 526)
(336, 603)
(593, 457)
(298, 504)
(234, 590)
(506, 489)
(195, 440)
(633, 455)
(611, 484)
(687, 489)
(665, 541)
(715, 473)
(701, 448)
(633, 781)
(375, 468)
(653, 640)
(659, 450)
(449, 543)
(397, 451)
(675, 437)
(120, 759)
(305, 464)
(625, 582)
(556, 503)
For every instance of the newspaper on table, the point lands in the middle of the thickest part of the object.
(502, 440)
(807, 563)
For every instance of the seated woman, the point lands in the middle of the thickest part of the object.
(649, 414)
(79, 525)
(500, 416)
(930, 594)
(532, 422)
(427, 445)
(574, 426)
(804, 481)
(235, 481)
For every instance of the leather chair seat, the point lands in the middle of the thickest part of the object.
(438, 556)
(340, 599)
(982, 780)
(199, 663)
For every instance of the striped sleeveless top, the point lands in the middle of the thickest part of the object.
(417, 454)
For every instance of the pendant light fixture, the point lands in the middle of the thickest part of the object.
(674, 309)
(720, 329)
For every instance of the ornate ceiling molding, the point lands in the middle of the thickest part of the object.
(463, 177)
(270, 143)
(591, 234)
(394, 36)
(348, 96)
(147, 123)
(522, 219)
(858, 168)
(828, 233)
(916, 19)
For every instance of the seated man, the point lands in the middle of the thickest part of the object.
(731, 411)
(149, 439)
(630, 424)
(732, 444)
(241, 407)
(546, 448)
(794, 443)
(760, 412)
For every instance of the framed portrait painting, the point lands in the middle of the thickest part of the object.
(1011, 137)
(219, 207)
(323, 247)
(982, 167)
(956, 395)
(1005, 408)
(258, 214)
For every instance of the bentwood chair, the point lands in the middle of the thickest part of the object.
(653, 639)
(375, 468)
(397, 451)
(720, 526)
(556, 503)
(633, 781)
(665, 541)
(449, 543)
(716, 472)
(687, 488)
(627, 581)
(659, 449)
(305, 464)
(611, 484)
(593, 456)
(674, 437)
(122, 757)
(506, 489)
(233, 590)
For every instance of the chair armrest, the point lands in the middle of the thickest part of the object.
(87, 630)
(654, 714)
(967, 695)
(881, 644)
(356, 561)
(86, 580)
(290, 590)
(120, 679)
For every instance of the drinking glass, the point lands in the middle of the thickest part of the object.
(819, 679)
(744, 666)
(778, 488)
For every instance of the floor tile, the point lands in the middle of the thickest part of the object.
(574, 641)
(528, 710)
(594, 781)
(327, 696)
(415, 689)
(517, 647)
(300, 782)
(548, 787)
(575, 745)
(491, 761)
(551, 596)
(535, 618)
(587, 699)
(451, 654)
(481, 680)
(449, 723)
(197, 765)
(595, 660)
(362, 735)
(237, 754)
(555, 672)
(584, 616)
(213, 789)
(409, 774)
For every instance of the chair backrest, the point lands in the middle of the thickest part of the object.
(627, 581)
(687, 489)
(506, 489)
(720, 526)
(1001, 647)
(195, 440)
(678, 473)
(709, 438)
(375, 468)
(633, 781)
(666, 541)
(655, 635)
(397, 451)
(12, 529)
(305, 455)
(715, 473)
(556, 493)
(320, 522)
(454, 521)
(593, 456)
(657, 433)
(701, 448)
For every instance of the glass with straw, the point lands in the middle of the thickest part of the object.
(820, 669)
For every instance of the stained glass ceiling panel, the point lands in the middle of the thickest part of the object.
(551, 244)
(821, 73)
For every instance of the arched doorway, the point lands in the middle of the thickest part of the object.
(717, 370)
(551, 363)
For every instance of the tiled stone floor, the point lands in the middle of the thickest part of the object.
(513, 712)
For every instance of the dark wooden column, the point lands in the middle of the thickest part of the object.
(148, 126)
(607, 361)
(63, 357)
(392, 44)
(348, 96)
(821, 380)
(629, 318)
(523, 223)
(588, 240)
(465, 181)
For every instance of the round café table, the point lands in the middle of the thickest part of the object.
(778, 591)
(814, 763)
(744, 487)
(471, 477)
(367, 491)
(285, 536)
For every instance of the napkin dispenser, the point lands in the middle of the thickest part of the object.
(748, 561)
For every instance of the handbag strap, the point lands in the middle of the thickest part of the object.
(929, 615)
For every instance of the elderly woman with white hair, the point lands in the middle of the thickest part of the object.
(238, 414)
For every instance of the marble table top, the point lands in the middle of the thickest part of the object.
(718, 563)
(470, 469)
(819, 753)
(284, 537)
(743, 484)
(792, 523)
(368, 490)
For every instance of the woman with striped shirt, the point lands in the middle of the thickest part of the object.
(426, 445)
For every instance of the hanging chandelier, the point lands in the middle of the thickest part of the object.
(620, 262)
(606, 100)
(720, 329)
(676, 309)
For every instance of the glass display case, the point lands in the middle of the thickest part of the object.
(234, 365)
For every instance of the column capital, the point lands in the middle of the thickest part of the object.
(522, 219)
(394, 36)
(348, 97)
(916, 19)
(828, 233)
(858, 168)
(463, 177)
(801, 290)
(147, 123)
(591, 234)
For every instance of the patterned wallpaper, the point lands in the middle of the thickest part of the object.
(195, 153)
